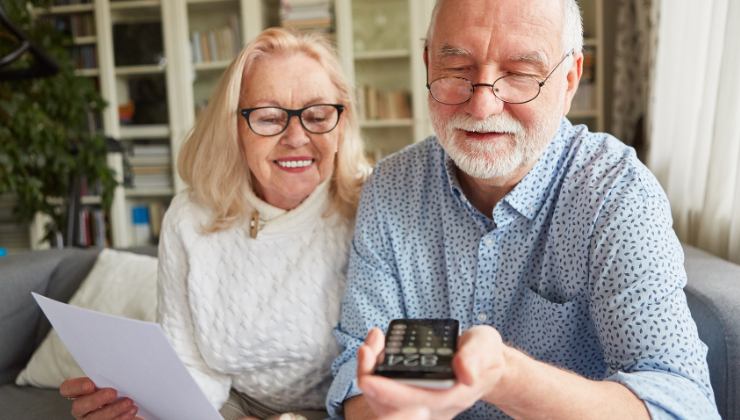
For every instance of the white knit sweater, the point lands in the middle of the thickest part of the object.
(255, 314)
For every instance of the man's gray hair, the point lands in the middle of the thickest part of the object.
(572, 25)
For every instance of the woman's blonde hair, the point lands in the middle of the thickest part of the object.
(211, 160)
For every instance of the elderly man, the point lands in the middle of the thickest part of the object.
(551, 245)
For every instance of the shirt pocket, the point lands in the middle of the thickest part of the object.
(547, 330)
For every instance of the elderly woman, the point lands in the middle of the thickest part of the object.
(252, 257)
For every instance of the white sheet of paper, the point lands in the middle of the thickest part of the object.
(131, 356)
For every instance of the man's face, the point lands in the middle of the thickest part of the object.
(486, 137)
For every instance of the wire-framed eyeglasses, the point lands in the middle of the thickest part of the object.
(272, 120)
(509, 88)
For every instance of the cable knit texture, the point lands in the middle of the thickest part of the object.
(255, 314)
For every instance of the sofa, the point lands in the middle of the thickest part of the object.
(713, 293)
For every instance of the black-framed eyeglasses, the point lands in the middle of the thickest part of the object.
(272, 120)
(510, 88)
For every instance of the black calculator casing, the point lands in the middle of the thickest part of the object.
(420, 352)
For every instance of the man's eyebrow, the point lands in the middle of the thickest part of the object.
(535, 58)
(448, 50)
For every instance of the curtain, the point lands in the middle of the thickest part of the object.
(634, 58)
(694, 121)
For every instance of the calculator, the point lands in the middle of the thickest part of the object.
(420, 351)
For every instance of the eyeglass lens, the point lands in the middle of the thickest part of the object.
(317, 119)
(512, 89)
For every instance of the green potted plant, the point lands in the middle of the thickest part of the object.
(46, 138)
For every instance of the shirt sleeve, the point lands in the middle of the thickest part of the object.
(373, 296)
(650, 341)
(173, 313)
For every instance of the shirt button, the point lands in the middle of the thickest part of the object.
(482, 317)
(488, 241)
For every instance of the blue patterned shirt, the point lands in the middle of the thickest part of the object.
(578, 266)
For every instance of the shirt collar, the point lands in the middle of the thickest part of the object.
(530, 194)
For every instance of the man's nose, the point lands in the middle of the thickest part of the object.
(483, 103)
(295, 135)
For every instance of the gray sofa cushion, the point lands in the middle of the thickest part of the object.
(713, 294)
(53, 273)
(33, 403)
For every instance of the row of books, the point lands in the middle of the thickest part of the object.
(91, 227)
(146, 222)
(85, 56)
(77, 25)
(378, 104)
(216, 44)
(149, 166)
(307, 15)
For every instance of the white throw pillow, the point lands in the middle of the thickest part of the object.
(120, 283)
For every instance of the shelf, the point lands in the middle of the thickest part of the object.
(85, 40)
(144, 131)
(87, 72)
(406, 122)
(583, 113)
(211, 65)
(134, 4)
(144, 69)
(381, 54)
(87, 200)
(66, 9)
(212, 2)
(139, 193)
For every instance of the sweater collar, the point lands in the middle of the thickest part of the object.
(277, 220)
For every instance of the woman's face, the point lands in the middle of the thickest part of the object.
(287, 167)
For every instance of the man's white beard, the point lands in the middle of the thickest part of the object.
(486, 160)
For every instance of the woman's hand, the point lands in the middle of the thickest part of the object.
(91, 403)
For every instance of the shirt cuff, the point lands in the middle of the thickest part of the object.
(342, 388)
(669, 396)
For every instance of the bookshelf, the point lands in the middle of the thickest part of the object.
(380, 43)
(158, 61)
(588, 104)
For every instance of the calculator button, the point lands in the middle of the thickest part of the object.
(409, 350)
(444, 351)
(426, 350)
(392, 350)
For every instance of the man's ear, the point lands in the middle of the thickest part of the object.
(573, 78)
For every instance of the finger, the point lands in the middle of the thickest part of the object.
(413, 413)
(396, 394)
(369, 352)
(86, 404)
(375, 339)
(479, 350)
(129, 415)
(121, 407)
(366, 359)
(76, 387)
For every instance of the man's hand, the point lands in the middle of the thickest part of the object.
(479, 365)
